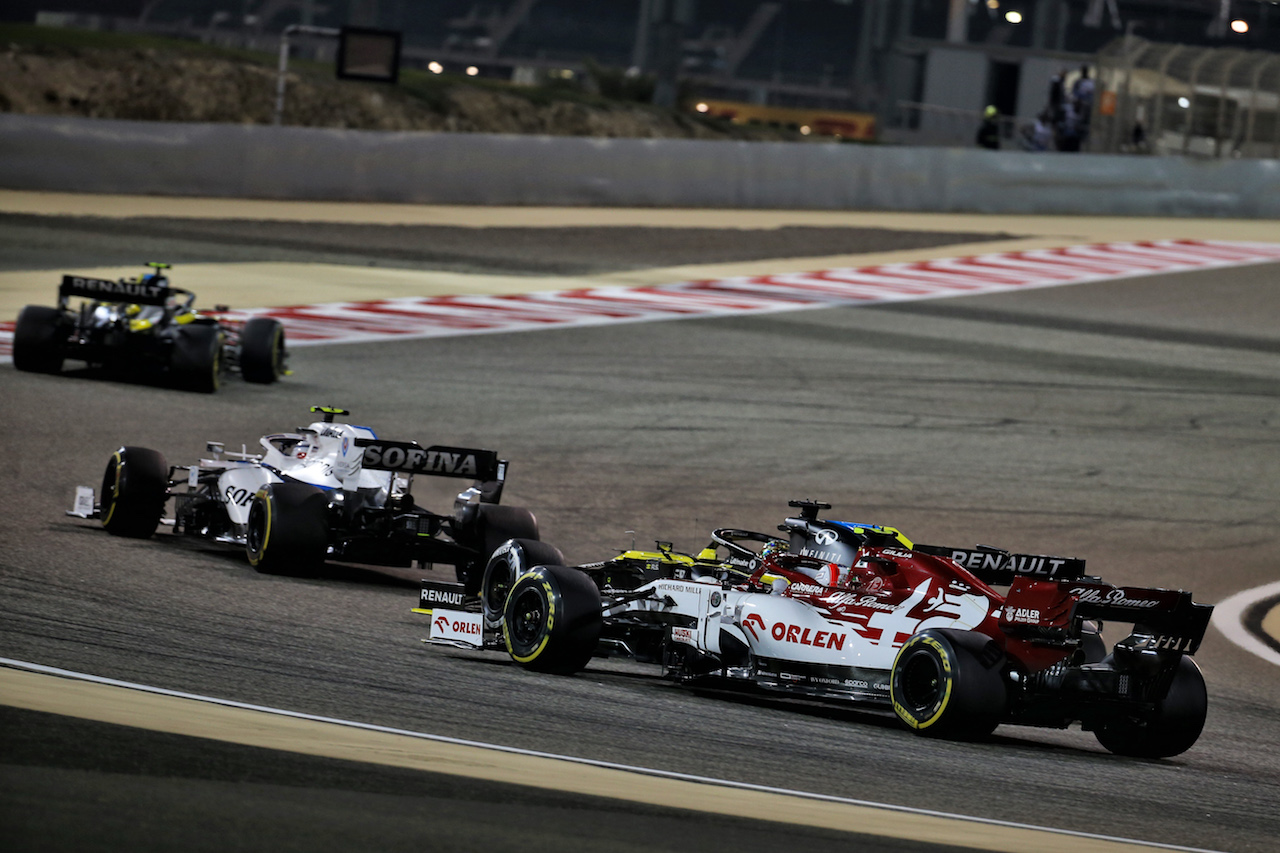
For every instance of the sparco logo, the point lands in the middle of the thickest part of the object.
(825, 537)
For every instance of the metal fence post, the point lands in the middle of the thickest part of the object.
(283, 69)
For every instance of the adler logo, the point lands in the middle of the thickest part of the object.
(1021, 614)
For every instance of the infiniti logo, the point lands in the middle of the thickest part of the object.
(825, 537)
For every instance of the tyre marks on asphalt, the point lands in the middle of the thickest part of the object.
(55, 691)
(445, 316)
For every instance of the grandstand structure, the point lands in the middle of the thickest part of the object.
(922, 69)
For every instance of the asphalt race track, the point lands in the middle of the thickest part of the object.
(1134, 423)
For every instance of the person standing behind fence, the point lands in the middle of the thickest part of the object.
(1082, 95)
(1066, 133)
(1057, 95)
(989, 131)
(1038, 136)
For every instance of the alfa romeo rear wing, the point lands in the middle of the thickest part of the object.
(1163, 619)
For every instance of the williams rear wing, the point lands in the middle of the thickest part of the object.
(408, 457)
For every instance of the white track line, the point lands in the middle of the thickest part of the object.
(646, 771)
(1228, 617)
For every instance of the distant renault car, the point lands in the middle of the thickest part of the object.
(143, 328)
(858, 612)
(330, 490)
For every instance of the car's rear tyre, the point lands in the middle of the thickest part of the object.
(288, 529)
(1173, 727)
(511, 560)
(551, 621)
(262, 350)
(38, 337)
(493, 525)
(135, 487)
(196, 361)
(948, 683)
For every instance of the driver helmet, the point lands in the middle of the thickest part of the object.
(773, 549)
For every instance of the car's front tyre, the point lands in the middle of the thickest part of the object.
(288, 529)
(135, 487)
(196, 361)
(510, 561)
(262, 352)
(552, 619)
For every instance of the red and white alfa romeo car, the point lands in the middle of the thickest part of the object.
(858, 612)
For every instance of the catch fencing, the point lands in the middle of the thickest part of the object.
(1166, 99)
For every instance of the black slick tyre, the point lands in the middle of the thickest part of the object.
(135, 487)
(38, 338)
(196, 361)
(511, 560)
(551, 622)
(494, 525)
(1172, 728)
(262, 350)
(288, 529)
(948, 683)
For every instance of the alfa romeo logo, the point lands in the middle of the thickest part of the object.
(825, 537)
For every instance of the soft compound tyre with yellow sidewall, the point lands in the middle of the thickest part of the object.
(195, 364)
(948, 683)
(288, 529)
(551, 622)
(262, 351)
(511, 560)
(135, 486)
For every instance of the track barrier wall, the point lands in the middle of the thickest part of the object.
(52, 153)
